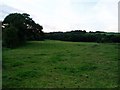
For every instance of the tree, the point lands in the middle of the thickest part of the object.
(27, 29)
(33, 29)
(17, 21)
(26, 26)
(10, 37)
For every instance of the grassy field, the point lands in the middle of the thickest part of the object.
(58, 64)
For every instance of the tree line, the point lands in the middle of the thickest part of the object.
(83, 36)
(18, 28)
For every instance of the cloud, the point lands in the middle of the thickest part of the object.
(101, 16)
(106, 12)
(6, 10)
(66, 15)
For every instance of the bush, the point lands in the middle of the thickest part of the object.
(10, 37)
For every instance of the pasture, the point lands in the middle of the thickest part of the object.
(60, 64)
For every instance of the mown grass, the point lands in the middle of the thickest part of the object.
(58, 64)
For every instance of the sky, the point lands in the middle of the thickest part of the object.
(67, 15)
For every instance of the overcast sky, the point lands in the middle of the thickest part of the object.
(67, 15)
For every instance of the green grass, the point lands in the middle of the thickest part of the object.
(58, 64)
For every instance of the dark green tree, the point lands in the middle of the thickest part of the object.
(18, 21)
(27, 29)
(10, 37)
(26, 26)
